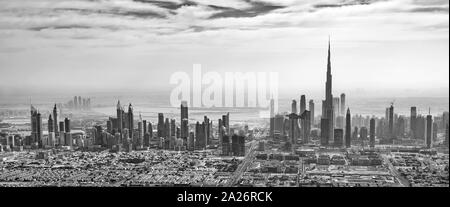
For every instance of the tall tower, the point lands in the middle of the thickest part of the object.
(130, 121)
(348, 129)
(412, 121)
(51, 133)
(391, 123)
(294, 106)
(302, 104)
(119, 117)
(184, 120)
(329, 111)
(429, 129)
(55, 120)
(372, 133)
(36, 127)
(311, 109)
(342, 103)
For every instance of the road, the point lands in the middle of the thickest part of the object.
(244, 165)
(402, 180)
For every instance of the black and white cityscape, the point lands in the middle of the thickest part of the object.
(238, 93)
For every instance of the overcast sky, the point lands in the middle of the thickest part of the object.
(85, 45)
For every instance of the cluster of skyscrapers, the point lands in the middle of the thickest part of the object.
(58, 132)
(120, 133)
(336, 123)
(79, 103)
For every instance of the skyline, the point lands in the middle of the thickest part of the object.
(107, 46)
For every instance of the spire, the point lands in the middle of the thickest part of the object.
(50, 117)
(54, 107)
(118, 104)
(329, 57)
(348, 110)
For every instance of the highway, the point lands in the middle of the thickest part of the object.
(403, 181)
(244, 165)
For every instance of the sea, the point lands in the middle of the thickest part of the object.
(149, 105)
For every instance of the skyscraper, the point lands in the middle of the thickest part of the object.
(306, 125)
(51, 131)
(391, 123)
(302, 104)
(429, 131)
(342, 104)
(294, 106)
(338, 137)
(36, 127)
(130, 121)
(412, 121)
(311, 109)
(446, 135)
(184, 119)
(348, 129)
(61, 140)
(160, 127)
(363, 135)
(119, 114)
(372, 133)
(336, 108)
(328, 103)
(55, 120)
(67, 134)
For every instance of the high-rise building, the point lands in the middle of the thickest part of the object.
(412, 121)
(184, 119)
(238, 145)
(161, 127)
(336, 108)
(207, 129)
(293, 127)
(311, 109)
(61, 140)
(51, 132)
(67, 133)
(200, 136)
(328, 103)
(294, 106)
(435, 131)
(348, 129)
(191, 142)
(355, 133)
(36, 127)
(119, 114)
(338, 137)
(302, 103)
(420, 127)
(372, 133)
(55, 120)
(391, 124)
(342, 104)
(130, 121)
(446, 135)
(226, 147)
(305, 118)
(429, 131)
(363, 132)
